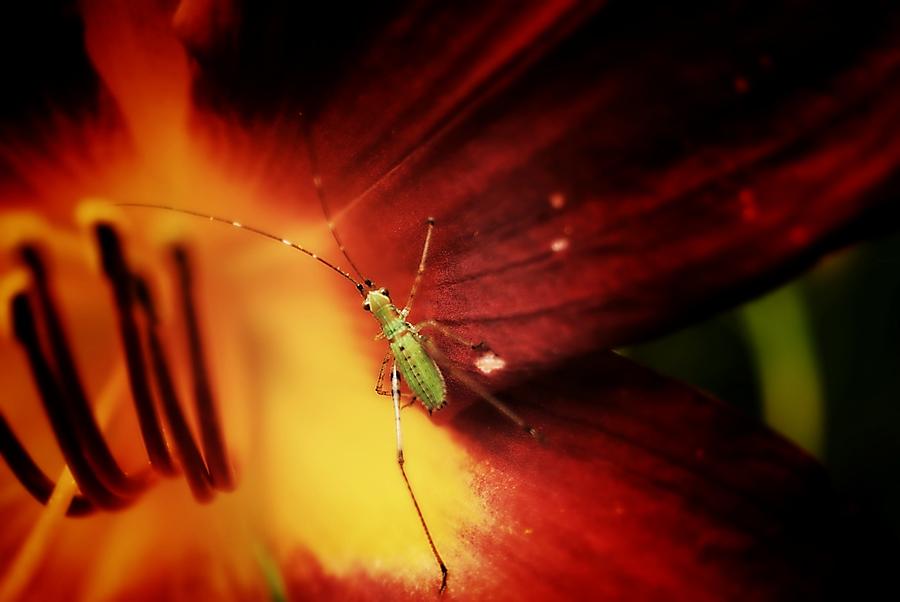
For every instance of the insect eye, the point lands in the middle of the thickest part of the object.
(366, 306)
(385, 292)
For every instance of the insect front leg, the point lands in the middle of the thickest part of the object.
(421, 270)
(395, 395)
(435, 325)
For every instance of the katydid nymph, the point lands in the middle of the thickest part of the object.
(415, 357)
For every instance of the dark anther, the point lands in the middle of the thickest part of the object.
(210, 426)
(52, 394)
(142, 294)
(188, 453)
(103, 485)
(32, 259)
(369, 283)
(430, 221)
(78, 410)
(122, 284)
(30, 475)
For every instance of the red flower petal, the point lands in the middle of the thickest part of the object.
(596, 178)
(589, 190)
(643, 490)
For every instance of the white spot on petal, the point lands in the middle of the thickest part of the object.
(237, 224)
(557, 200)
(559, 245)
(286, 241)
(489, 362)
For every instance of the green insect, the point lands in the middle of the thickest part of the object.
(415, 356)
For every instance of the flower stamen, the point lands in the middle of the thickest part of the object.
(120, 278)
(210, 428)
(38, 328)
(79, 413)
(31, 476)
(185, 447)
(52, 396)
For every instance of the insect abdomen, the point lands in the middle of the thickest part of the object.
(421, 373)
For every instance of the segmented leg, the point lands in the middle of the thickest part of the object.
(476, 388)
(415, 285)
(395, 394)
(435, 325)
(381, 391)
(379, 388)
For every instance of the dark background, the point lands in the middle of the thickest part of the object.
(848, 305)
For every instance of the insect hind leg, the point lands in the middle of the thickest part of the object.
(479, 390)
(435, 325)
(395, 395)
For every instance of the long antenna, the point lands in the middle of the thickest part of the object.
(320, 192)
(252, 230)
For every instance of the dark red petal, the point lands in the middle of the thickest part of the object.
(646, 489)
(643, 490)
(599, 178)
(680, 193)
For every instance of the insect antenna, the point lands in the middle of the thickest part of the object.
(252, 230)
(320, 193)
